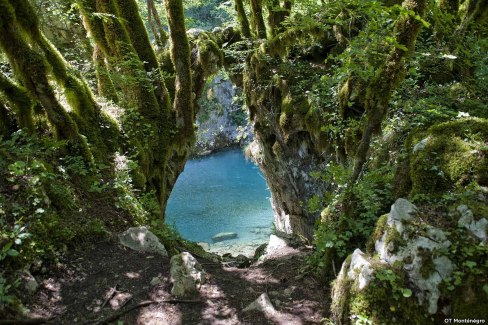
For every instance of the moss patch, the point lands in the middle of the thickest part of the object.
(452, 158)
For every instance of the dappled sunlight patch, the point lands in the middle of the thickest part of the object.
(50, 301)
(304, 309)
(133, 275)
(217, 308)
(160, 314)
(254, 275)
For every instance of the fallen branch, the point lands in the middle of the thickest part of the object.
(121, 313)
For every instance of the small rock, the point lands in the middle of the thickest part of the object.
(361, 265)
(477, 228)
(155, 281)
(289, 291)
(242, 261)
(274, 293)
(421, 145)
(119, 300)
(29, 283)
(142, 240)
(262, 303)
(224, 236)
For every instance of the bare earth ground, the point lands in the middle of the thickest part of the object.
(92, 284)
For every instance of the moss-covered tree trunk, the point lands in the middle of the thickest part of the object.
(159, 122)
(20, 101)
(387, 79)
(31, 68)
(180, 56)
(276, 15)
(259, 27)
(158, 31)
(105, 86)
(242, 18)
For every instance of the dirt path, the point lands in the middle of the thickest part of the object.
(92, 284)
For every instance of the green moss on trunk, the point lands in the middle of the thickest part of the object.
(242, 17)
(257, 18)
(20, 101)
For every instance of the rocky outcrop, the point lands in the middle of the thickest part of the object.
(186, 275)
(288, 177)
(222, 120)
(289, 144)
(142, 240)
(406, 274)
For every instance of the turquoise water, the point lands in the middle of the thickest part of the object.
(222, 192)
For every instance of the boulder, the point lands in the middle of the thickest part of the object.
(476, 227)
(224, 236)
(142, 240)
(186, 275)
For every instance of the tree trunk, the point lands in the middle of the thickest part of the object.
(105, 85)
(241, 16)
(180, 56)
(257, 19)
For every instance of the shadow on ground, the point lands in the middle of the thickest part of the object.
(95, 283)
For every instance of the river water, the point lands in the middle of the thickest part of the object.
(222, 192)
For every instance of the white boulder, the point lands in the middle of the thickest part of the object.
(142, 240)
(186, 275)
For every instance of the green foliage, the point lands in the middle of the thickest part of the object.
(343, 231)
(208, 14)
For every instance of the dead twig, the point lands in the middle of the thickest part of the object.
(109, 296)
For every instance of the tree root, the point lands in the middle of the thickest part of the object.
(33, 321)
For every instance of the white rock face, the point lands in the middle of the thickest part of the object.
(142, 240)
(186, 275)
(275, 244)
(417, 250)
(477, 228)
(360, 267)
